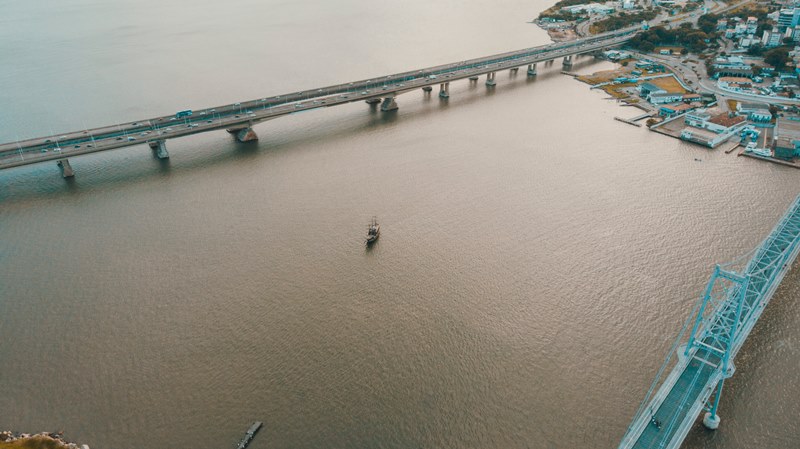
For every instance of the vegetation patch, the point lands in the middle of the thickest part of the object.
(668, 83)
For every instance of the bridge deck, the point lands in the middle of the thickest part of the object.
(669, 415)
(247, 113)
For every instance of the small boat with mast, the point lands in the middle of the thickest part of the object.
(373, 231)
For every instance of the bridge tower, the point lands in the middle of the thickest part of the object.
(720, 318)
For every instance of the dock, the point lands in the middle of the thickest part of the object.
(769, 159)
(730, 150)
(628, 121)
(251, 433)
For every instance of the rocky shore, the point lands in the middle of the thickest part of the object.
(44, 440)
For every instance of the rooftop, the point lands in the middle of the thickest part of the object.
(666, 94)
(735, 79)
(787, 128)
(678, 107)
(753, 106)
(725, 120)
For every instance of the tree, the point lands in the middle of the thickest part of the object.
(777, 57)
(684, 51)
(707, 23)
(755, 50)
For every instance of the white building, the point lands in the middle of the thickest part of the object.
(590, 8)
(665, 97)
(751, 25)
(755, 112)
(771, 38)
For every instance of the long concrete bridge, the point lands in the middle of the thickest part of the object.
(239, 118)
(734, 299)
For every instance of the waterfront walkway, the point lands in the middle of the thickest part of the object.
(733, 301)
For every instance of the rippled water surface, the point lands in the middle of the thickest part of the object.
(536, 257)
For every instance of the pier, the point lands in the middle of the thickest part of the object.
(735, 297)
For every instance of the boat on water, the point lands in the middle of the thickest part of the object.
(251, 433)
(373, 231)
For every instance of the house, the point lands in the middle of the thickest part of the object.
(732, 66)
(646, 89)
(692, 98)
(748, 41)
(698, 118)
(672, 110)
(590, 8)
(745, 72)
(709, 127)
(628, 4)
(713, 120)
(735, 83)
(700, 136)
(721, 123)
(786, 140)
(722, 25)
(755, 112)
(665, 97)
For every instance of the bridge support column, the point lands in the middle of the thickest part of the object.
(567, 61)
(159, 148)
(66, 169)
(244, 134)
(490, 79)
(513, 70)
(388, 104)
(373, 101)
(532, 69)
(473, 78)
(711, 422)
(427, 88)
(444, 90)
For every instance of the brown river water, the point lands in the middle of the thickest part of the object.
(536, 258)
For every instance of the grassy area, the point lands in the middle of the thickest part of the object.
(34, 442)
(670, 84)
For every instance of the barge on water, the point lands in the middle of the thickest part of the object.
(251, 433)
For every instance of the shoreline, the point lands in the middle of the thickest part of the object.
(44, 440)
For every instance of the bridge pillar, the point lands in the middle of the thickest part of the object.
(373, 101)
(513, 70)
(473, 78)
(444, 90)
(567, 61)
(246, 135)
(711, 422)
(427, 88)
(159, 148)
(388, 104)
(532, 69)
(490, 79)
(66, 169)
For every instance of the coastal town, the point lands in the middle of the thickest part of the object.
(714, 74)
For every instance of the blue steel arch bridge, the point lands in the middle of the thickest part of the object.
(733, 300)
